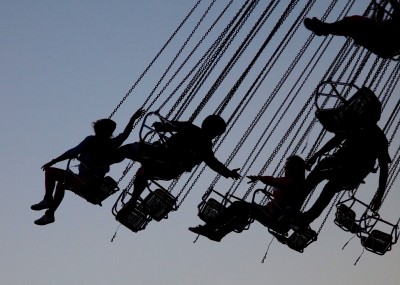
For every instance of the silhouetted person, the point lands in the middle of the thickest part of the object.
(355, 157)
(377, 34)
(186, 148)
(287, 195)
(94, 156)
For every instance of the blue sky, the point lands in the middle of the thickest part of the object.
(67, 64)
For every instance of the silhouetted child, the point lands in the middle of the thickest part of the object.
(287, 199)
(355, 157)
(186, 148)
(94, 155)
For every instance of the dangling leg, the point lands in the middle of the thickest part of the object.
(325, 169)
(52, 175)
(227, 221)
(139, 185)
(130, 151)
(351, 26)
(329, 191)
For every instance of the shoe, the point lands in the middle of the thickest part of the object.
(45, 219)
(315, 26)
(44, 204)
(202, 230)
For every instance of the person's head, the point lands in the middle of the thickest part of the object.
(214, 126)
(104, 128)
(295, 167)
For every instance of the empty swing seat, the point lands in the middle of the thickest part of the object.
(209, 209)
(345, 218)
(299, 240)
(159, 203)
(363, 107)
(377, 242)
(136, 220)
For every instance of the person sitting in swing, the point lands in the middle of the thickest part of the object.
(356, 153)
(94, 155)
(187, 147)
(287, 195)
(377, 34)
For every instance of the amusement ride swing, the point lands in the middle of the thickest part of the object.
(352, 59)
(355, 108)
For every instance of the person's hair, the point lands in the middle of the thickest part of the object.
(214, 125)
(104, 127)
(296, 167)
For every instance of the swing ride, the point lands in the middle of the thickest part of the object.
(281, 102)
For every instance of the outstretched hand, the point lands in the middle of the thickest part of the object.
(47, 165)
(140, 112)
(253, 178)
(235, 174)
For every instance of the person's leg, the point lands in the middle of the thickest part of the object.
(64, 181)
(323, 170)
(52, 175)
(227, 221)
(139, 185)
(130, 151)
(351, 26)
(329, 191)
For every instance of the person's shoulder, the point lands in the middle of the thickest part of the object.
(90, 138)
(188, 126)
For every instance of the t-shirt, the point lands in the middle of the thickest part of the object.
(360, 150)
(94, 154)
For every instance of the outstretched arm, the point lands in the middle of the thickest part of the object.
(278, 182)
(71, 153)
(220, 168)
(128, 129)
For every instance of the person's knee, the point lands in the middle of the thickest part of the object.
(55, 173)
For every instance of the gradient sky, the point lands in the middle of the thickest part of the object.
(65, 64)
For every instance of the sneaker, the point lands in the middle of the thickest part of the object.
(315, 25)
(45, 219)
(202, 230)
(44, 204)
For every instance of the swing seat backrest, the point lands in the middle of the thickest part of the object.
(159, 203)
(277, 217)
(362, 108)
(136, 220)
(345, 218)
(299, 240)
(209, 209)
(377, 242)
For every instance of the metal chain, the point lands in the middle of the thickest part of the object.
(153, 60)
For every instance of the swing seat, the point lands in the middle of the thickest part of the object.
(209, 209)
(377, 242)
(361, 109)
(299, 240)
(345, 218)
(159, 203)
(136, 220)
(278, 220)
(96, 196)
